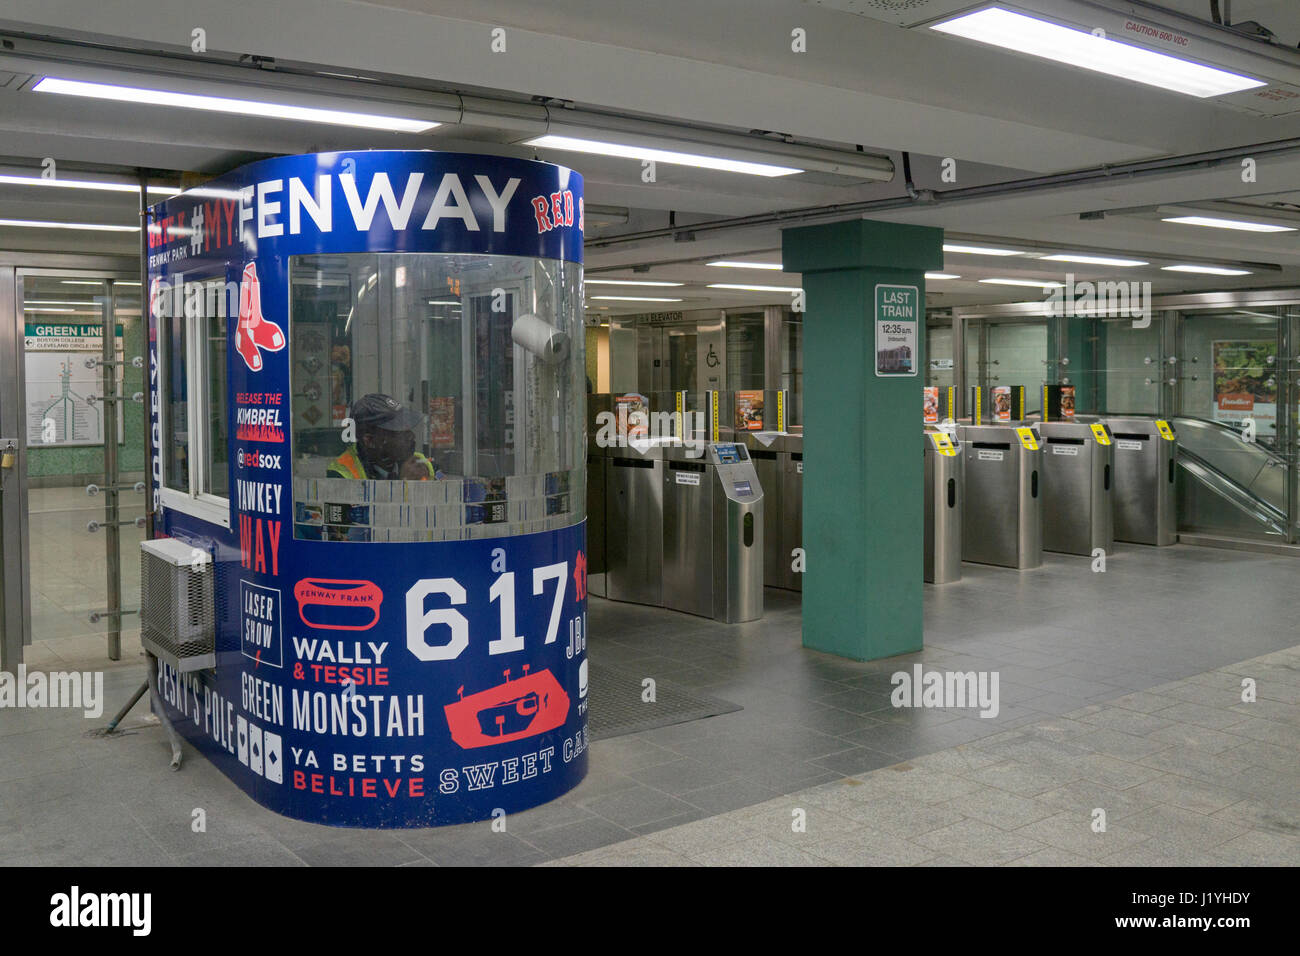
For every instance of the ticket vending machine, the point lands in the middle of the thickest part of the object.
(367, 418)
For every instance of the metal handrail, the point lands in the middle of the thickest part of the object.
(1242, 498)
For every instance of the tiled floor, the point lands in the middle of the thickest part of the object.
(1218, 786)
(1119, 691)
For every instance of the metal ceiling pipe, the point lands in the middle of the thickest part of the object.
(812, 214)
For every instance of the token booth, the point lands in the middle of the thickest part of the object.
(366, 585)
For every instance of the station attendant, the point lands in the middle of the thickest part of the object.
(385, 445)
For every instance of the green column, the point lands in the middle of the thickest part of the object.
(862, 492)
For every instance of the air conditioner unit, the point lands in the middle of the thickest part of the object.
(177, 604)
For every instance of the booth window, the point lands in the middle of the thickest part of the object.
(435, 396)
(195, 414)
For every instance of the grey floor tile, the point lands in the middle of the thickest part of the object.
(252, 853)
(1174, 825)
(474, 845)
(731, 795)
(637, 806)
(864, 846)
(980, 844)
(361, 848)
(1072, 831)
(577, 837)
(1259, 849)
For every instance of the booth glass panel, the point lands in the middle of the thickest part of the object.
(216, 447)
(485, 436)
(175, 419)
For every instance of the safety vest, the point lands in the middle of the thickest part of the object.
(348, 465)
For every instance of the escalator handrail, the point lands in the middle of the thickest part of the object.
(1245, 499)
(1268, 450)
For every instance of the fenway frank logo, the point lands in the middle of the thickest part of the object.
(255, 332)
(556, 210)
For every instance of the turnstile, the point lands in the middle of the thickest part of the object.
(765, 451)
(1002, 521)
(1078, 477)
(945, 470)
(712, 533)
(778, 460)
(634, 523)
(1146, 451)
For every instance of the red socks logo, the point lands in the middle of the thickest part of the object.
(254, 332)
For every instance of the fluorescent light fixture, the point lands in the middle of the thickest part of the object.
(1207, 270)
(98, 282)
(28, 308)
(628, 282)
(980, 250)
(756, 288)
(28, 302)
(225, 104)
(1095, 260)
(671, 157)
(941, 275)
(41, 224)
(1239, 224)
(631, 298)
(1079, 48)
(1031, 283)
(730, 264)
(101, 185)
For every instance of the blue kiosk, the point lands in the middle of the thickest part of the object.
(367, 399)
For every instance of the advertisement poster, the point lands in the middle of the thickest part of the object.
(1001, 403)
(1067, 402)
(749, 410)
(442, 422)
(60, 388)
(931, 406)
(628, 406)
(897, 310)
(1245, 383)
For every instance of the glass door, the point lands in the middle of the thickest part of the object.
(80, 424)
(1233, 383)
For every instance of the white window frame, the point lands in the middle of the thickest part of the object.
(192, 501)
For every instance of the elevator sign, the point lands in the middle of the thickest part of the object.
(897, 308)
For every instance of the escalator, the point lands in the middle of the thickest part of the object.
(1227, 486)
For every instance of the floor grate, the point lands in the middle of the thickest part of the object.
(617, 708)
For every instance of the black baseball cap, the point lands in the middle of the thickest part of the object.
(383, 411)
